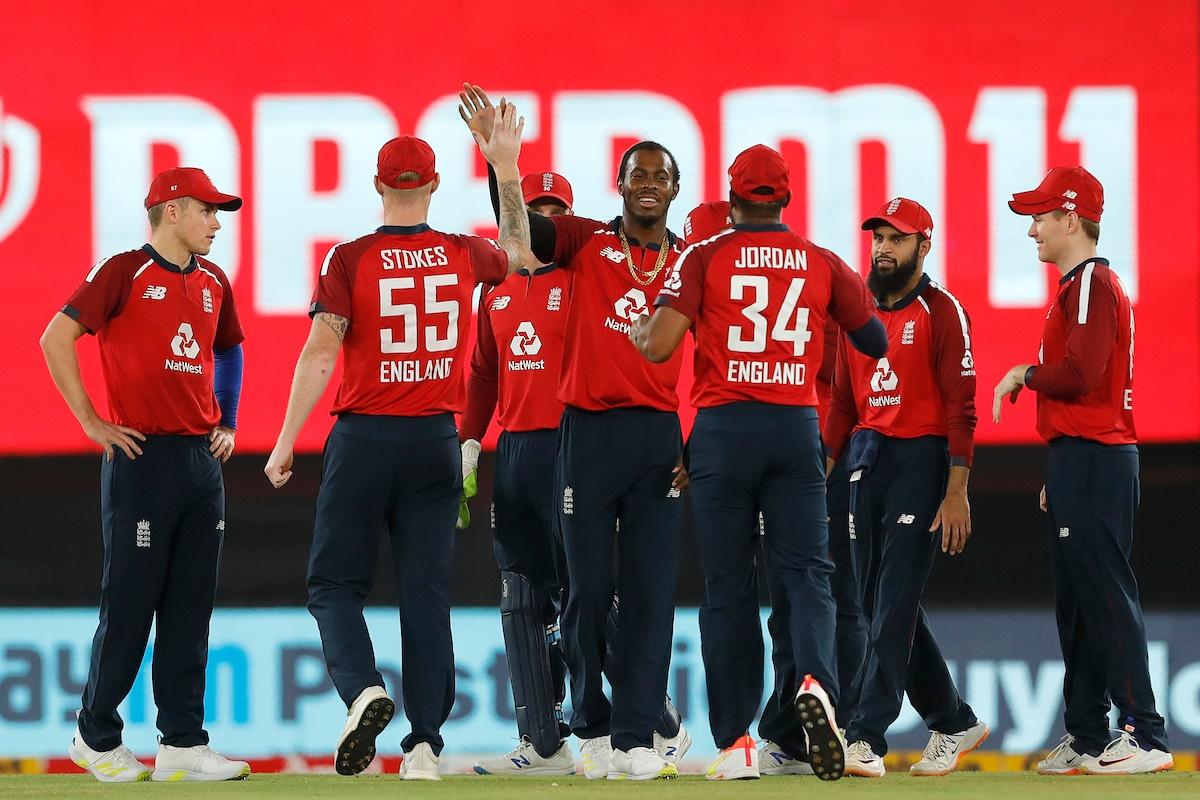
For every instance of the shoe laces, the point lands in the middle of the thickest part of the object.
(522, 747)
(860, 750)
(124, 758)
(938, 746)
(1123, 745)
(1064, 744)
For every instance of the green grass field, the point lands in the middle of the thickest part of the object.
(963, 785)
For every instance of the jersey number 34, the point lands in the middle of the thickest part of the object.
(790, 323)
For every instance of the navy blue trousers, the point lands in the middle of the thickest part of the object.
(405, 474)
(779, 722)
(1093, 492)
(744, 457)
(162, 517)
(615, 503)
(894, 502)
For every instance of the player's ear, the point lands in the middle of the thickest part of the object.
(787, 198)
(437, 181)
(378, 186)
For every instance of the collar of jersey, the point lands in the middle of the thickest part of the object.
(615, 225)
(402, 230)
(907, 300)
(1080, 267)
(167, 265)
(760, 228)
(539, 271)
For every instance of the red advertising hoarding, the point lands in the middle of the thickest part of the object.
(956, 105)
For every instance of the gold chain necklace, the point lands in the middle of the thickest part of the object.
(641, 276)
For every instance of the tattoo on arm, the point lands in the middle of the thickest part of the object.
(514, 224)
(339, 324)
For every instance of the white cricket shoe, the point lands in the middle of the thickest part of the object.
(737, 762)
(861, 761)
(945, 749)
(595, 754)
(420, 764)
(639, 764)
(772, 760)
(826, 745)
(199, 763)
(673, 749)
(1123, 756)
(118, 765)
(368, 715)
(1062, 760)
(524, 760)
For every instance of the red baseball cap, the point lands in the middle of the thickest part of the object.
(757, 169)
(547, 186)
(1063, 189)
(405, 154)
(172, 184)
(705, 220)
(906, 216)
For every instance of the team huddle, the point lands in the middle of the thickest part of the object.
(832, 445)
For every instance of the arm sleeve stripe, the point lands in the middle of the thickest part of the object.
(1085, 292)
(100, 264)
(209, 274)
(141, 269)
(329, 257)
(962, 316)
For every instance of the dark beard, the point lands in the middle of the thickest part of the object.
(645, 220)
(884, 285)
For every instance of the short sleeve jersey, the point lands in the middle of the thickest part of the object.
(1085, 381)
(760, 297)
(925, 385)
(157, 327)
(407, 293)
(522, 324)
(601, 368)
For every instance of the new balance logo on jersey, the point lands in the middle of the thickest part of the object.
(206, 299)
(884, 379)
(155, 293)
(554, 299)
(568, 500)
(143, 533)
(500, 303)
(526, 341)
(613, 255)
(909, 333)
(906, 519)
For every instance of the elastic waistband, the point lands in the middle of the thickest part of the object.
(176, 439)
(624, 411)
(1081, 443)
(397, 429)
(538, 435)
(747, 409)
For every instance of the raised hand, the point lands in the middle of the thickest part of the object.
(503, 145)
(477, 111)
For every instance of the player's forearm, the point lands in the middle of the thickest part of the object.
(956, 484)
(63, 364)
(313, 371)
(514, 219)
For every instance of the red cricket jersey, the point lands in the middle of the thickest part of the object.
(407, 292)
(1085, 378)
(157, 327)
(601, 368)
(758, 295)
(924, 386)
(518, 354)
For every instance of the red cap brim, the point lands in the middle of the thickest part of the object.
(225, 202)
(537, 197)
(874, 222)
(1034, 202)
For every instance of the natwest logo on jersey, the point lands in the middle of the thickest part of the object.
(525, 342)
(884, 379)
(628, 307)
(184, 345)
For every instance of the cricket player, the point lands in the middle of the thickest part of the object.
(619, 457)
(397, 303)
(170, 348)
(910, 422)
(756, 295)
(1084, 385)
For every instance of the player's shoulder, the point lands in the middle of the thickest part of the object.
(212, 270)
(351, 250)
(1104, 274)
(584, 226)
(824, 254)
(125, 263)
(941, 300)
(466, 241)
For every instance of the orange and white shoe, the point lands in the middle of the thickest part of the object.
(863, 762)
(826, 747)
(1062, 760)
(943, 751)
(737, 762)
(1124, 756)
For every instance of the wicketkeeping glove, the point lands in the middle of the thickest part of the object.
(470, 468)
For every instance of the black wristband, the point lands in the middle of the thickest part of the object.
(1029, 373)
